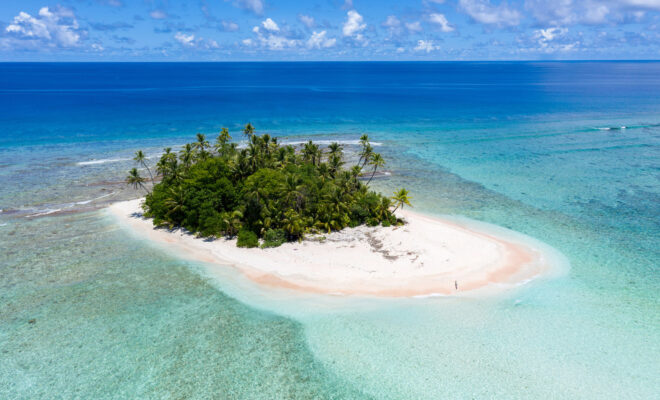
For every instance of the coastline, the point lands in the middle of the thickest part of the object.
(428, 256)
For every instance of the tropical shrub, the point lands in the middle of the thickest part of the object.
(247, 238)
(274, 238)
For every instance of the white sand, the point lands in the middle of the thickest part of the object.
(424, 257)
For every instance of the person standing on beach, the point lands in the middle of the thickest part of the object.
(456, 284)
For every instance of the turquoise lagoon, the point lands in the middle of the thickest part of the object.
(568, 153)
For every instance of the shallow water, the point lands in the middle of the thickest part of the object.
(87, 310)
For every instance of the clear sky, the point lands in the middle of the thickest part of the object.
(226, 30)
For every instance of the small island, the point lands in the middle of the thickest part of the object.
(301, 218)
(265, 191)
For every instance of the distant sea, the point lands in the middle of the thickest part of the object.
(566, 152)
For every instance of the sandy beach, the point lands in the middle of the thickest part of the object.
(426, 256)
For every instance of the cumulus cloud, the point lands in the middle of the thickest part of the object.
(189, 41)
(546, 35)
(425, 46)
(270, 25)
(185, 40)
(306, 20)
(550, 40)
(354, 25)
(52, 28)
(441, 21)
(271, 39)
(484, 12)
(318, 40)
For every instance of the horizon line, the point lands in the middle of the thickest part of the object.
(317, 61)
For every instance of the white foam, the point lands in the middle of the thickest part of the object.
(102, 161)
(44, 212)
(328, 142)
(611, 128)
(91, 200)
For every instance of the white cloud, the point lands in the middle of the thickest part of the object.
(275, 42)
(271, 40)
(484, 12)
(229, 26)
(414, 26)
(565, 12)
(306, 20)
(354, 24)
(552, 40)
(270, 25)
(318, 40)
(441, 21)
(546, 35)
(54, 28)
(649, 4)
(185, 40)
(425, 45)
(396, 27)
(97, 47)
(158, 14)
(189, 41)
(255, 6)
(596, 14)
(392, 22)
(393, 25)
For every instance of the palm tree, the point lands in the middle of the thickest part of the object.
(311, 152)
(400, 198)
(324, 171)
(335, 164)
(365, 154)
(233, 222)
(201, 146)
(187, 155)
(293, 191)
(140, 159)
(377, 161)
(135, 179)
(248, 130)
(293, 224)
(335, 149)
(221, 142)
(175, 200)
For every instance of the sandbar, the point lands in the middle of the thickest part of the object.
(426, 256)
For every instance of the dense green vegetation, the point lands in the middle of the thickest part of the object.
(265, 190)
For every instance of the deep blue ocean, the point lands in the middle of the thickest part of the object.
(566, 152)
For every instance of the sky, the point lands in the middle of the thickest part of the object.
(332, 30)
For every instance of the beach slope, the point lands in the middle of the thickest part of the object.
(426, 256)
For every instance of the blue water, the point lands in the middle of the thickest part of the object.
(566, 152)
